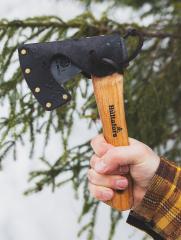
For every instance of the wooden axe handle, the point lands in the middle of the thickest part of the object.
(110, 102)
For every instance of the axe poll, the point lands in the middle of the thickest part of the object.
(47, 66)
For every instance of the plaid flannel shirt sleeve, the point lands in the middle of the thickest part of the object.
(159, 213)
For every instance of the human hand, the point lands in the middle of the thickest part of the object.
(109, 166)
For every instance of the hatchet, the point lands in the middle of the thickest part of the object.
(47, 66)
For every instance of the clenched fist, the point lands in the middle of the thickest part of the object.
(109, 165)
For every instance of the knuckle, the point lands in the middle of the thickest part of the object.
(93, 191)
(94, 177)
(97, 178)
(98, 145)
(93, 141)
(102, 149)
(92, 160)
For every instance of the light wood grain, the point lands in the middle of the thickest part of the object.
(110, 102)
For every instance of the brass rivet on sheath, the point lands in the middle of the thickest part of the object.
(48, 105)
(65, 96)
(37, 89)
(27, 70)
(23, 51)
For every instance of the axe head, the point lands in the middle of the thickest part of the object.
(47, 66)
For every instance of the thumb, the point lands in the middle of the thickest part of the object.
(114, 158)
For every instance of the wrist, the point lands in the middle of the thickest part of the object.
(141, 184)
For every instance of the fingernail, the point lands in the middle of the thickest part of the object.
(121, 183)
(100, 166)
(107, 195)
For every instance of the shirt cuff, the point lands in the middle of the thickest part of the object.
(151, 215)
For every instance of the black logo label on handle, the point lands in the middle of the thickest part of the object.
(115, 128)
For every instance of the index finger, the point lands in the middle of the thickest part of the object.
(99, 145)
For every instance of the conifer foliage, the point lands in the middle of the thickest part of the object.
(152, 93)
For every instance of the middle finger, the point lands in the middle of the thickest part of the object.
(122, 170)
(109, 181)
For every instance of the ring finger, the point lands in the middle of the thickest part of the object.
(110, 181)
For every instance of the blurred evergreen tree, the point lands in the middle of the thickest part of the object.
(152, 93)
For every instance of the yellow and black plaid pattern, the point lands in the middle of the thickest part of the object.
(159, 213)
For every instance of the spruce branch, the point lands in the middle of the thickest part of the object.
(98, 26)
(152, 93)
